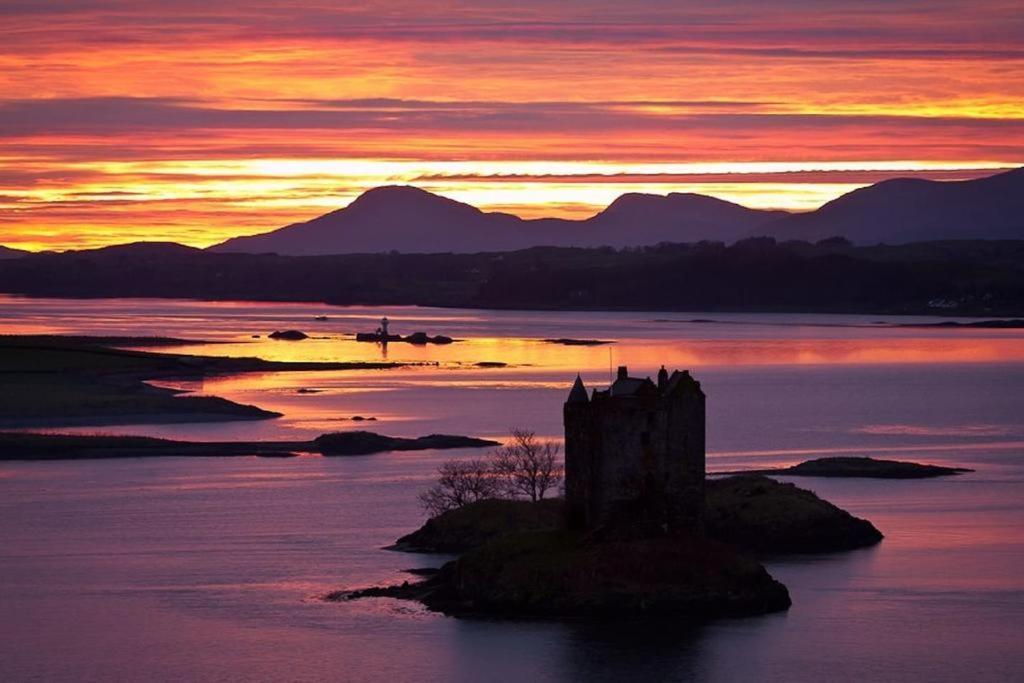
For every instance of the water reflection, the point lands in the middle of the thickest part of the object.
(524, 353)
(516, 337)
(638, 650)
(207, 566)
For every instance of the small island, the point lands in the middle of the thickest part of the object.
(382, 335)
(416, 338)
(756, 514)
(998, 324)
(566, 341)
(288, 335)
(31, 446)
(640, 531)
(869, 468)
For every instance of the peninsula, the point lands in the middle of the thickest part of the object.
(53, 381)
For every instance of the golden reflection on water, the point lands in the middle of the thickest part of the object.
(319, 401)
(533, 354)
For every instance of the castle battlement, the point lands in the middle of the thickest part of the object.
(634, 454)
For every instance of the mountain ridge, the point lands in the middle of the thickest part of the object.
(10, 252)
(906, 210)
(408, 219)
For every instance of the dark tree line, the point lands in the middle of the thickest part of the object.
(970, 277)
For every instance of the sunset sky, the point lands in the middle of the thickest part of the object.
(195, 121)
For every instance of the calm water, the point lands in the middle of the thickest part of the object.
(172, 569)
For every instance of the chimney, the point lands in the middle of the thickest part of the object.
(623, 372)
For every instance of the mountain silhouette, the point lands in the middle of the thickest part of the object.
(410, 220)
(905, 210)
(8, 252)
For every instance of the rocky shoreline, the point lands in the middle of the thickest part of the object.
(518, 558)
(54, 381)
(755, 513)
(765, 517)
(563, 574)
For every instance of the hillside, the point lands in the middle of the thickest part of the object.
(907, 210)
(7, 252)
(411, 220)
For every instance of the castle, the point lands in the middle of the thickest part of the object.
(634, 454)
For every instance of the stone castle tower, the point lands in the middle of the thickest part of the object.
(634, 454)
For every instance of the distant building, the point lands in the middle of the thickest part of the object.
(634, 454)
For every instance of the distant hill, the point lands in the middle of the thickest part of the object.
(905, 210)
(899, 211)
(7, 252)
(410, 220)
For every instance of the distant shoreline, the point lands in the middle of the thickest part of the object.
(54, 381)
(967, 278)
(977, 320)
(29, 446)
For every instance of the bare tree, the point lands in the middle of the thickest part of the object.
(460, 482)
(528, 467)
(525, 467)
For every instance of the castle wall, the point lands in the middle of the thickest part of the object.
(579, 450)
(685, 460)
(637, 459)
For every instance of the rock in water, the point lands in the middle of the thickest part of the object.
(421, 338)
(288, 335)
(565, 341)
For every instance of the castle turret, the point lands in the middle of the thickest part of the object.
(578, 394)
(578, 447)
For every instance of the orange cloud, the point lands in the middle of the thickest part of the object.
(123, 120)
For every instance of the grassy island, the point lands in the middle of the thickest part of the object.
(518, 558)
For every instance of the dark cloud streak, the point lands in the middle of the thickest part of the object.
(127, 116)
